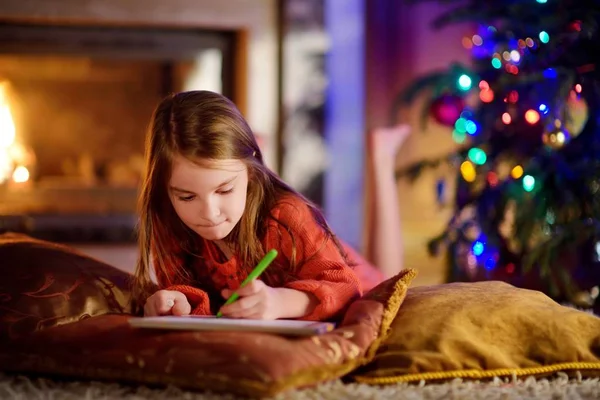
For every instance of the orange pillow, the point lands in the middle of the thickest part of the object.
(483, 330)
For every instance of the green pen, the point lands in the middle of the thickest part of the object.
(260, 268)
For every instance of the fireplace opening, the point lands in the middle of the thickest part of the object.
(75, 103)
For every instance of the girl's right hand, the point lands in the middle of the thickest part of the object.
(167, 302)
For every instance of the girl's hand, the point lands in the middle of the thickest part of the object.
(257, 301)
(167, 302)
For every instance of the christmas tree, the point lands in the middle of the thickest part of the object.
(525, 118)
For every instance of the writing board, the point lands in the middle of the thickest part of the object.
(211, 323)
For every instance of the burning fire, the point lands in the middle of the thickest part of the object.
(14, 157)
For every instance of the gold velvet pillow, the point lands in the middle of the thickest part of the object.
(44, 284)
(244, 363)
(483, 330)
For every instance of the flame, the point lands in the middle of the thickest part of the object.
(7, 125)
(11, 152)
(21, 174)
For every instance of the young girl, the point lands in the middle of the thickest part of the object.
(210, 209)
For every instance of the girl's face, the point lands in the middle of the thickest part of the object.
(209, 199)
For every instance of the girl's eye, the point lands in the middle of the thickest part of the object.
(225, 191)
(187, 198)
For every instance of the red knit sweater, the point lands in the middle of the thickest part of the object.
(323, 271)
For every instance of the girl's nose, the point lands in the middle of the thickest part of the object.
(210, 210)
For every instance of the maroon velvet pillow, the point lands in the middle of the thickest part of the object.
(44, 284)
(244, 363)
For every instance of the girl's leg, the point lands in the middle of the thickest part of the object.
(384, 241)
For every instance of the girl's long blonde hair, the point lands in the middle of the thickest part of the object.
(202, 125)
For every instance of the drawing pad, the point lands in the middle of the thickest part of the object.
(211, 323)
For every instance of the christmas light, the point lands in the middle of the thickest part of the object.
(510, 268)
(543, 109)
(492, 178)
(478, 248)
(467, 170)
(461, 125)
(517, 172)
(528, 183)
(477, 155)
(541, 1)
(515, 56)
(578, 88)
(471, 127)
(490, 263)
(486, 95)
(477, 40)
(506, 118)
(544, 37)
(496, 63)
(555, 139)
(550, 73)
(464, 82)
(532, 116)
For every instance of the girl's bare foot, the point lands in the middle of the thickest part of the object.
(385, 142)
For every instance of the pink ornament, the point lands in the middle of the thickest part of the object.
(446, 109)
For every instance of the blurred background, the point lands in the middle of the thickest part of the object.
(80, 79)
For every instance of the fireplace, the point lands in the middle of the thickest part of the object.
(75, 102)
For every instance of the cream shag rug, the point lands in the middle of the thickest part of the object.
(560, 387)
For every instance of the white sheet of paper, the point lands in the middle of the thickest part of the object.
(211, 323)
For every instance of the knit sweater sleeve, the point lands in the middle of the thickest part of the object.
(322, 270)
(197, 298)
(169, 280)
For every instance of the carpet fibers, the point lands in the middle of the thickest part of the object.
(559, 387)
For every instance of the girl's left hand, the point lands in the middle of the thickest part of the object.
(257, 301)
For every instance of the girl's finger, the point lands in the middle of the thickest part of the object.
(164, 306)
(243, 305)
(251, 288)
(181, 307)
